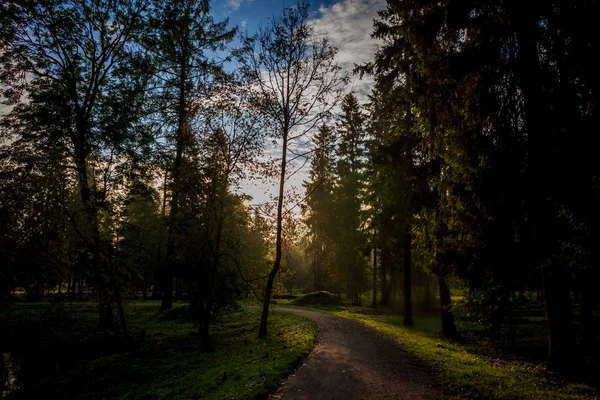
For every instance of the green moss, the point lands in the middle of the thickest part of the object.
(466, 375)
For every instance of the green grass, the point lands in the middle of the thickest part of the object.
(468, 374)
(170, 364)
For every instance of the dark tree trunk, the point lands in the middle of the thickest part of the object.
(561, 335)
(177, 296)
(394, 285)
(408, 318)
(556, 279)
(106, 316)
(80, 288)
(374, 304)
(588, 305)
(385, 263)
(262, 330)
(182, 132)
(448, 326)
(206, 345)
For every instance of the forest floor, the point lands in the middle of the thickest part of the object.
(351, 361)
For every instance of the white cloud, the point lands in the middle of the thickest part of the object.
(234, 4)
(349, 24)
(244, 23)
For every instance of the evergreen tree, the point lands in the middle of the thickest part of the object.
(348, 197)
(318, 209)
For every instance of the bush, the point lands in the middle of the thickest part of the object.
(318, 298)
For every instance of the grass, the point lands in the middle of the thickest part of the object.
(464, 371)
(170, 364)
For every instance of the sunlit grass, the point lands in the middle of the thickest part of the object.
(466, 375)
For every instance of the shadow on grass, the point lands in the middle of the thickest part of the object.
(170, 363)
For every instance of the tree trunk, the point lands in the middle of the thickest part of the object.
(206, 345)
(262, 331)
(385, 262)
(167, 280)
(557, 304)
(587, 308)
(408, 319)
(448, 326)
(106, 317)
(556, 279)
(374, 304)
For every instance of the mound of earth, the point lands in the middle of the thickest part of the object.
(318, 298)
(285, 296)
(180, 313)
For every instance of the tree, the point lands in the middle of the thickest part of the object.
(80, 56)
(318, 210)
(231, 141)
(348, 196)
(297, 85)
(183, 36)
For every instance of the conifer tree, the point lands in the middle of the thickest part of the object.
(318, 209)
(348, 197)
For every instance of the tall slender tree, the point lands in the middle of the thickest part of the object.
(298, 83)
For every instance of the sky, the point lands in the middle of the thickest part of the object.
(348, 23)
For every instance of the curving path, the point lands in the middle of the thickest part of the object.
(351, 361)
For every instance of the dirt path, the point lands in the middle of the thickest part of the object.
(351, 361)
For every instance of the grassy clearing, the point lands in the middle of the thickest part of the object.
(170, 364)
(463, 370)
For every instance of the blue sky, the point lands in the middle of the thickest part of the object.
(250, 13)
(348, 23)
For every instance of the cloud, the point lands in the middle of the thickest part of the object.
(349, 24)
(234, 4)
(244, 23)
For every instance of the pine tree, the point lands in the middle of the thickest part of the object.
(348, 197)
(318, 209)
